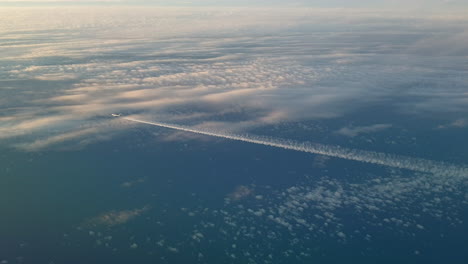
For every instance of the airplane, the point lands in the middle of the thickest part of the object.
(116, 115)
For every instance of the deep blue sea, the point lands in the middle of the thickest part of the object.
(175, 200)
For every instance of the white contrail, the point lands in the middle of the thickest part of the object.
(402, 162)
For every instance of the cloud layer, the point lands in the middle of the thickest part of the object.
(235, 69)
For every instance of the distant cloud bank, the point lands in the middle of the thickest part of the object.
(236, 69)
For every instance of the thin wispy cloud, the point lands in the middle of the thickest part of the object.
(356, 131)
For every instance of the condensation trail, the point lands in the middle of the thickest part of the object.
(379, 158)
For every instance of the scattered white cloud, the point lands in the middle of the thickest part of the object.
(459, 123)
(240, 192)
(77, 67)
(113, 218)
(129, 184)
(338, 210)
(55, 77)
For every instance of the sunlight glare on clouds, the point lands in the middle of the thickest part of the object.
(108, 60)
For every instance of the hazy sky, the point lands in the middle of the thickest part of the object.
(400, 4)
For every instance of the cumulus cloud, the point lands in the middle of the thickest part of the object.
(240, 192)
(321, 208)
(113, 218)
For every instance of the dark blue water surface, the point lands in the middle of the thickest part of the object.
(50, 201)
